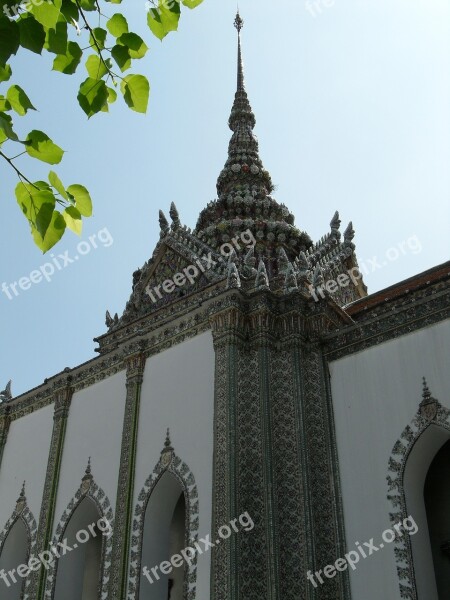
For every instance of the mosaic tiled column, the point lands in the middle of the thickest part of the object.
(263, 340)
(228, 329)
(5, 421)
(322, 473)
(63, 398)
(290, 464)
(125, 489)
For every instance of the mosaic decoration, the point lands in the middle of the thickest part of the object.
(23, 513)
(168, 463)
(430, 412)
(125, 487)
(88, 489)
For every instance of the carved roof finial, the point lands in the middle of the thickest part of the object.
(174, 215)
(108, 319)
(21, 500)
(167, 443)
(163, 223)
(349, 233)
(429, 406)
(335, 223)
(6, 394)
(88, 468)
(22, 492)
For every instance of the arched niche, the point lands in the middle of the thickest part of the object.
(17, 546)
(165, 522)
(437, 503)
(409, 464)
(79, 571)
(83, 573)
(164, 536)
(15, 552)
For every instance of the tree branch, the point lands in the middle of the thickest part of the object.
(19, 173)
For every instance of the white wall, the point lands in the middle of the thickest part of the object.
(178, 392)
(25, 459)
(376, 393)
(94, 429)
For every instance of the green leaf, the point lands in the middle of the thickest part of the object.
(40, 146)
(53, 234)
(69, 11)
(134, 43)
(95, 66)
(117, 25)
(88, 4)
(68, 63)
(163, 20)
(56, 39)
(92, 96)
(112, 95)
(6, 130)
(32, 34)
(19, 100)
(56, 182)
(136, 92)
(4, 104)
(192, 3)
(5, 73)
(82, 199)
(122, 57)
(72, 217)
(46, 13)
(9, 39)
(37, 206)
(99, 35)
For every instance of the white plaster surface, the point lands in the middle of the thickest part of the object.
(178, 392)
(376, 394)
(25, 459)
(94, 429)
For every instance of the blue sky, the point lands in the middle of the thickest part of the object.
(353, 113)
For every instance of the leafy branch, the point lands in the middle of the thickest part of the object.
(47, 26)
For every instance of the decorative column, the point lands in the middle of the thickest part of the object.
(263, 340)
(322, 472)
(228, 335)
(125, 488)
(289, 460)
(5, 422)
(63, 399)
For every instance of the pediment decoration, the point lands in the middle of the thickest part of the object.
(181, 265)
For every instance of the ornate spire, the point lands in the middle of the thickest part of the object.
(244, 188)
(244, 167)
(239, 24)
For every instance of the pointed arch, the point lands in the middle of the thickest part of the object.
(23, 513)
(430, 417)
(170, 463)
(91, 491)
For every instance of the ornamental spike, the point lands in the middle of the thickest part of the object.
(163, 223)
(262, 281)
(349, 233)
(290, 282)
(174, 215)
(233, 279)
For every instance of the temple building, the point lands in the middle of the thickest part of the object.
(255, 425)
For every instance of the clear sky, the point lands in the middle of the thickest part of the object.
(352, 102)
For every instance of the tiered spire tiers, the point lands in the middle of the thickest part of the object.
(283, 260)
(244, 187)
